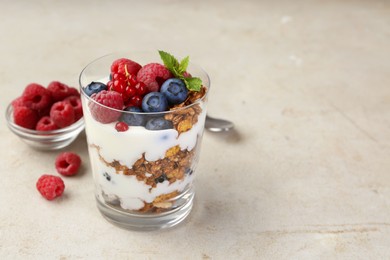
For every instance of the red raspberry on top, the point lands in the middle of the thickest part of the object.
(125, 67)
(59, 90)
(36, 97)
(106, 98)
(50, 186)
(75, 102)
(46, 124)
(187, 74)
(153, 75)
(62, 114)
(68, 163)
(25, 117)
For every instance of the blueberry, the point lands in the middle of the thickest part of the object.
(107, 176)
(189, 171)
(154, 102)
(161, 178)
(94, 87)
(133, 119)
(174, 90)
(158, 123)
(165, 137)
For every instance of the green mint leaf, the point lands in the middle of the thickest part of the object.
(169, 61)
(177, 73)
(184, 64)
(194, 84)
(178, 69)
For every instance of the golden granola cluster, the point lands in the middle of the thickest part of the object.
(174, 166)
(160, 203)
(184, 119)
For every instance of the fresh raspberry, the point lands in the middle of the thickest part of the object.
(36, 97)
(106, 98)
(73, 92)
(25, 117)
(125, 67)
(68, 163)
(46, 124)
(62, 114)
(153, 75)
(187, 75)
(50, 186)
(44, 112)
(75, 102)
(17, 102)
(121, 127)
(59, 90)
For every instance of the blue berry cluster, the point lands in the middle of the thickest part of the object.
(173, 91)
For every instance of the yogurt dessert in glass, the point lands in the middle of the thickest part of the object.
(144, 117)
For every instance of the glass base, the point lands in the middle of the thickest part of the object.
(146, 222)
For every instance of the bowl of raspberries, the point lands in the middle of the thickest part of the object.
(46, 118)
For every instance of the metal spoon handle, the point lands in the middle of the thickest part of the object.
(218, 125)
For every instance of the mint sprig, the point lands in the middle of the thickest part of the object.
(178, 68)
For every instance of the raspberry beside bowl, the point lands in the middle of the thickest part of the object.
(45, 140)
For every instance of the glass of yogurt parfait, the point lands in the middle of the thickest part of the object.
(144, 119)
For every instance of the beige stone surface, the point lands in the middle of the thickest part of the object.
(306, 174)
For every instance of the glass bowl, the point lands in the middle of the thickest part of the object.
(45, 140)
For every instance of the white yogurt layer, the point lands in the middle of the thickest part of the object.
(127, 147)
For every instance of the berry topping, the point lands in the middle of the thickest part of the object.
(119, 83)
(25, 117)
(174, 90)
(109, 99)
(179, 70)
(75, 102)
(135, 101)
(50, 186)
(154, 102)
(140, 88)
(158, 123)
(94, 88)
(36, 97)
(133, 119)
(59, 90)
(187, 75)
(125, 66)
(121, 127)
(131, 90)
(46, 124)
(68, 163)
(153, 75)
(62, 114)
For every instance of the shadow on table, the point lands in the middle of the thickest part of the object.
(232, 136)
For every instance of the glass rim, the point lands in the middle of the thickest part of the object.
(178, 109)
